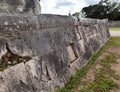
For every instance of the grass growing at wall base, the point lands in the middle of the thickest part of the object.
(103, 81)
(76, 79)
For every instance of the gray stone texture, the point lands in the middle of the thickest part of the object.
(58, 45)
(20, 6)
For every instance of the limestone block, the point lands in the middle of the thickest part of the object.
(18, 79)
(3, 83)
(18, 6)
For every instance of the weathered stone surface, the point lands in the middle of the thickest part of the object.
(45, 39)
(20, 6)
(18, 79)
(3, 83)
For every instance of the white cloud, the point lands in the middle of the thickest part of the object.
(63, 7)
(91, 2)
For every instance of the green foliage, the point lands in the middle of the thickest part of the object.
(76, 14)
(2, 68)
(15, 62)
(104, 9)
(96, 11)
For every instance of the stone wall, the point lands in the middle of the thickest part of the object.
(114, 23)
(57, 47)
(20, 6)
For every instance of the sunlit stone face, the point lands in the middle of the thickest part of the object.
(18, 5)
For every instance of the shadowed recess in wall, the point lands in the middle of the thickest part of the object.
(10, 59)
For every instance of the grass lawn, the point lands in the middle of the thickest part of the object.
(103, 81)
(114, 28)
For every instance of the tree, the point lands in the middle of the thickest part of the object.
(96, 11)
(76, 14)
(104, 9)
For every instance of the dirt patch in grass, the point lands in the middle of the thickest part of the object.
(104, 76)
(116, 67)
(115, 50)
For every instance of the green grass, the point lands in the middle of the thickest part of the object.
(75, 80)
(100, 84)
(113, 29)
(103, 81)
(106, 62)
(114, 41)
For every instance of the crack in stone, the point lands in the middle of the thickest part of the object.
(47, 74)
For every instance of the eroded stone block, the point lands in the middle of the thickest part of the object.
(72, 55)
(20, 6)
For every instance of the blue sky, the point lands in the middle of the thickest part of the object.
(63, 7)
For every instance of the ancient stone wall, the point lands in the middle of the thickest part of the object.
(56, 46)
(20, 6)
(114, 23)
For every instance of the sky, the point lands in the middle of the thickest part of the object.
(64, 7)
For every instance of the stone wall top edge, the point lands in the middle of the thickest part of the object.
(44, 20)
(34, 19)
